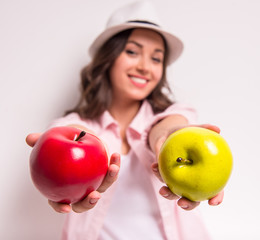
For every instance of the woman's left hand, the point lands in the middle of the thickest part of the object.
(181, 201)
(167, 193)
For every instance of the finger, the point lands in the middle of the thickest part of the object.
(159, 145)
(115, 159)
(87, 203)
(112, 173)
(32, 138)
(168, 194)
(211, 127)
(217, 199)
(60, 207)
(155, 170)
(186, 204)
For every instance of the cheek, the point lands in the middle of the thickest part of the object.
(157, 75)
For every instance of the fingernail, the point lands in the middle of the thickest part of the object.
(65, 210)
(93, 200)
(112, 174)
(185, 206)
(165, 195)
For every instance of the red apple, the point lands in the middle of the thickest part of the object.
(66, 164)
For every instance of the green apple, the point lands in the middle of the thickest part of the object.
(195, 163)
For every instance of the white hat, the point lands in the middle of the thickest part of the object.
(141, 14)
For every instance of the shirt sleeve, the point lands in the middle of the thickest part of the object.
(180, 109)
(175, 109)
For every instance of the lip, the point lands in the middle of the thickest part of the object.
(138, 81)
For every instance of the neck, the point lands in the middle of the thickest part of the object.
(124, 112)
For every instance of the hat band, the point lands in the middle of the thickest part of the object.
(145, 22)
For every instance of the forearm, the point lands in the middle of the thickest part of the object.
(161, 130)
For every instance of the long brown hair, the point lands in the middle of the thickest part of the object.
(96, 86)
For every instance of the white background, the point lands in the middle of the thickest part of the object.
(43, 46)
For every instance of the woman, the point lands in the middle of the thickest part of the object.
(124, 103)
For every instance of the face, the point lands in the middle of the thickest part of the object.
(139, 67)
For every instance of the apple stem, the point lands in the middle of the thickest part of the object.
(184, 161)
(82, 134)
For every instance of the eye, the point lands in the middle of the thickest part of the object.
(157, 60)
(131, 52)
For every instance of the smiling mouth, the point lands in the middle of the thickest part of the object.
(140, 82)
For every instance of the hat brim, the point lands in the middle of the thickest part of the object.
(174, 44)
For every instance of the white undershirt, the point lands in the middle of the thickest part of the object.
(134, 212)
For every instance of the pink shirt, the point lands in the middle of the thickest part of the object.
(175, 223)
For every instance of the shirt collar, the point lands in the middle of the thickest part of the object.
(107, 120)
(139, 123)
(142, 119)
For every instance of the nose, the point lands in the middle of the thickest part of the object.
(143, 65)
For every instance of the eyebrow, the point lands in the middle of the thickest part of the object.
(141, 46)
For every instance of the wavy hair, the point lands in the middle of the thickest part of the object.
(96, 86)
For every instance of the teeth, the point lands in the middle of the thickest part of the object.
(138, 80)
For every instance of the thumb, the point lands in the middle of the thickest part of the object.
(32, 138)
(159, 144)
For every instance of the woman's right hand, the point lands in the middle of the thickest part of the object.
(91, 200)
